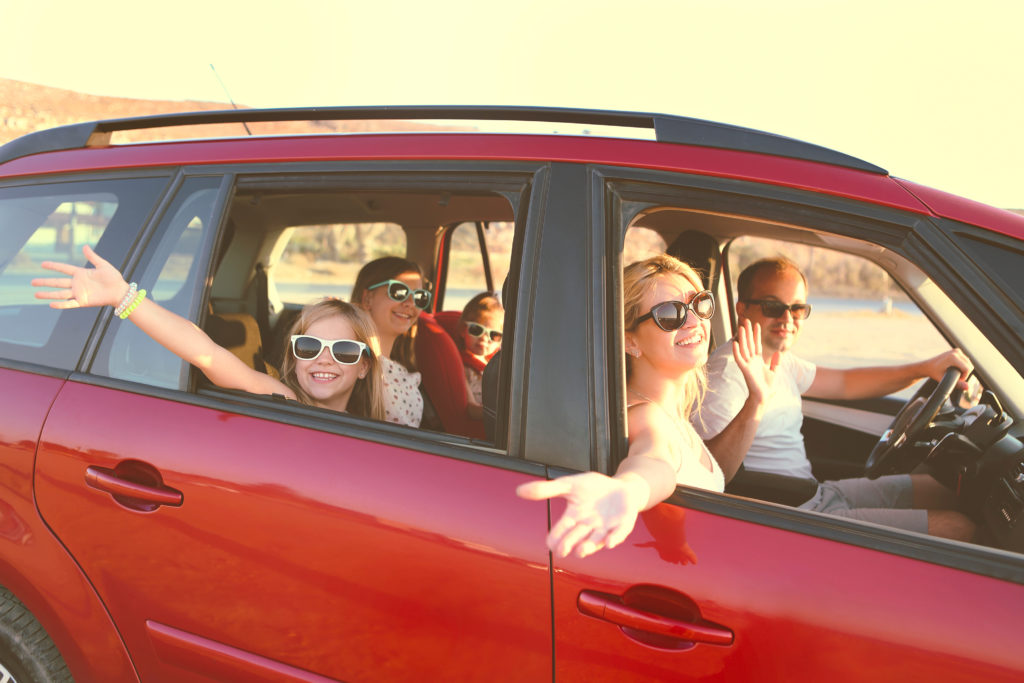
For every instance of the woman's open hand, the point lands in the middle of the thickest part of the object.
(101, 285)
(601, 512)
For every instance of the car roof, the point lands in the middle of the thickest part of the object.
(671, 129)
(672, 143)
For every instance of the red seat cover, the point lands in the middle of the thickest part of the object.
(444, 379)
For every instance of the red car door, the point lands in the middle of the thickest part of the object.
(231, 547)
(694, 595)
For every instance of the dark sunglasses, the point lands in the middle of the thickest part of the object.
(671, 315)
(478, 330)
(344, 351)
(776, 309)
(399, 291)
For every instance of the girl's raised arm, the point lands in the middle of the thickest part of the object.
(102, 285)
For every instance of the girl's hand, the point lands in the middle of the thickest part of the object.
(101, 285)
(748, 354)
(602, 510)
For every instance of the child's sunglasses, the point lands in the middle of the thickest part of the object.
(671, 315)
(344, 351)
(399, 291)
(776, 309)
(478, 330)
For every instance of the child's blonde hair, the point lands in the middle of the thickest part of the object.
(484, 302)
(367, 399)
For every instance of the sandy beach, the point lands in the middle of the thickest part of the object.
(858, 338)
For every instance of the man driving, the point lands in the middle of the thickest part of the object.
(752, 413)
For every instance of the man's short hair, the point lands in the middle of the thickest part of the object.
(775, 265)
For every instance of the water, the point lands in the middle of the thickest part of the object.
(839, 305)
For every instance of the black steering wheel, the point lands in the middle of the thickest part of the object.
(913, 418)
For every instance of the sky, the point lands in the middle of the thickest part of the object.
(932, 91)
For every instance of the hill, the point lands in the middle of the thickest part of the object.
(27, 107)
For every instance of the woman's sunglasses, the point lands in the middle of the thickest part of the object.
(344, 351)
(776, 309)
(671, 315)
(478, 330)
(399, 291)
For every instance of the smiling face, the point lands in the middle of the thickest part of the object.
(674, 353)
(329, 383)
(786, 286)
(482, 347)
(392, 318)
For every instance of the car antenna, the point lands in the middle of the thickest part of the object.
(229, 96)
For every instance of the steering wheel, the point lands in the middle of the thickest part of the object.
(915, 415)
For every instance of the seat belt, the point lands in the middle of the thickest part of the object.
(262, 306)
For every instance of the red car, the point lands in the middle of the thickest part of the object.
(155, 527)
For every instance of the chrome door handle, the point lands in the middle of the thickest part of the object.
(127, 492)
(610, 608)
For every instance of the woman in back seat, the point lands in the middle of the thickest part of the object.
(391, 290)
(347, 378)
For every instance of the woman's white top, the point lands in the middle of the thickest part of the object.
(691, 471)
(403, 402)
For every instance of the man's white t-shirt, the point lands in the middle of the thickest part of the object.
(778, 446)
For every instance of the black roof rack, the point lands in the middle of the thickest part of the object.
(676, 129)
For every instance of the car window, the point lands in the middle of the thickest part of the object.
(170, 273)
(642, 243)
(467, 271)
(52, 222)
(312, 237)
(323, 260)
(852, 300)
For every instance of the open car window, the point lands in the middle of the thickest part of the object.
(861, 316)
(289, 243)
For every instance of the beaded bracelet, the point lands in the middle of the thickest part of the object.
(128, 297)
(133, 305)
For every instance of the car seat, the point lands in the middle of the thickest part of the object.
(443, 378)
(239, 333)
(700, 251)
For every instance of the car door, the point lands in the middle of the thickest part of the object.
(229, 545)
(717, 587)
(234, 537)
(728, 590)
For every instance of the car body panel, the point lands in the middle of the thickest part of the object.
(960, 209)
(858, 610)
(325, 553)
(33, 564)
(235, 537)
(794, 173)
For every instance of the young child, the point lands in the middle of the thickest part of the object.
(480, 333)
(346, 378)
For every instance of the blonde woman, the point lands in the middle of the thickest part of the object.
(666, 311)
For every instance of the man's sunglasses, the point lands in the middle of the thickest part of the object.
(345, 351)
(478, 330)
(399, 291)
(671, 315)
(776, 309)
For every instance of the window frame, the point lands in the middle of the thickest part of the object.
(516, 181)
(82, 323)
(626, 192)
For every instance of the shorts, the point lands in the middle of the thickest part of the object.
(886, 501)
